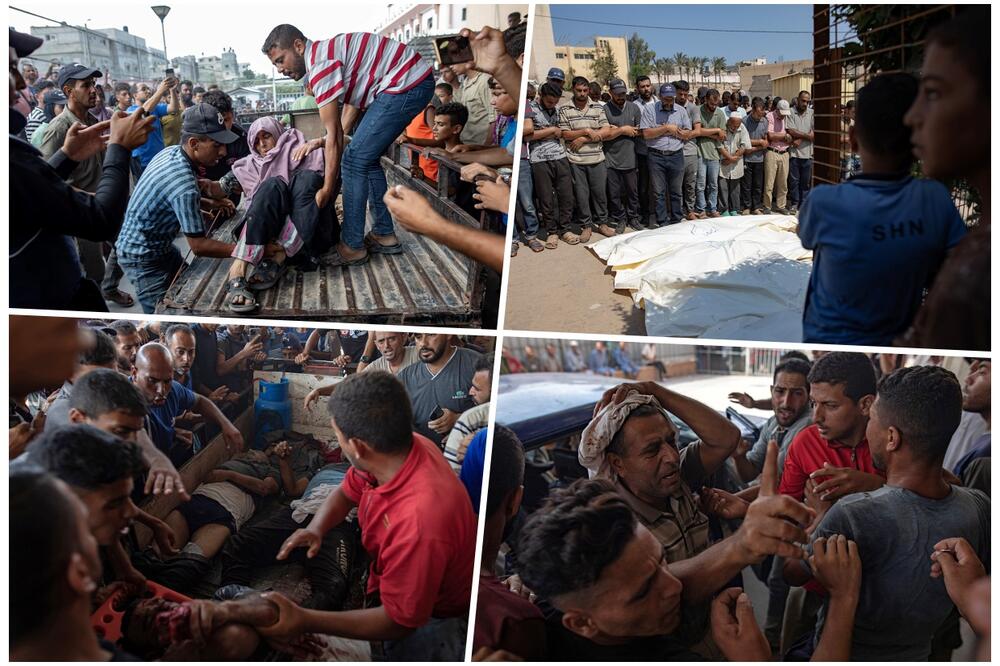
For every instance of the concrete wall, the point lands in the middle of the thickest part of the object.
(772, 71)
(788, 87)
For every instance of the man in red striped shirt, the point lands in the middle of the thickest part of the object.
(350, 73)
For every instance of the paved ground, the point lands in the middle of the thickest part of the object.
(570, 290)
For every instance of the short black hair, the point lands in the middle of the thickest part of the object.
(595, 84)
(852, 369)
(102, 391)
(878, 119)
(457, 112)
(374, 407)
(757, 102)
(550, 90)
(103, 353)
(711, 92)
(925, 404)
(578, 80)
(45, 84)
(616, 445)
(793, 366)
(198, 89)
(639, 79)
(444, 85)
(185, 82)
(967, 36)
(513, 39)
(506, 468)
(281, 37)
(44, 532)
(174, 329)
(86, 457)
(795, 353)
(681, 84)
(222, 102)
(580, 530)
(123, 327)
(123, 87)
(484, 362)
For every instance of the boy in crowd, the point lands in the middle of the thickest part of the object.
(449, 120)
(903, 228)
(444, 92)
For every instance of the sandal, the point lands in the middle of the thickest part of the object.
(552, 242)
(266, 275)
(119, 297)
(334, 258)
(238, 287)
(514, 245)
(378, 248)
(535, 245)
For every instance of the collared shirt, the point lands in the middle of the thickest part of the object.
(805, 123)
(807, 453)
(691, 145)
(708, 148)
(354, 67)
(782, 435)
(734, 141)
(640, 142)
(620, 151)
(757, 129)
(776, 123)
(682, 529)
(655, 116)
(549, 149)
(165, 199)
(740, 111)
(87, 173)
(589, 117)
(474, 93)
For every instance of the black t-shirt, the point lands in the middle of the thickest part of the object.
(564, 645)
(206, 356)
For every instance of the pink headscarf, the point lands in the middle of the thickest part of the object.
(255, 168)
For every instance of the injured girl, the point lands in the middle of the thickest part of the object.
(282, 224)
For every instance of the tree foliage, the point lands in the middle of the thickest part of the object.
(640, 57)
(604, 68)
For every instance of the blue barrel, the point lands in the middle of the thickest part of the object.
(272, 411)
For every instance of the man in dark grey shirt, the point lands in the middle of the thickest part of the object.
(620, 156)
(647, 200)
(438, 386)
(691, 157)
(752, 187)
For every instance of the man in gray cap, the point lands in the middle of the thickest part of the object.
(558, 78)
(167, 199)
(76, 82)
(666, 127)
(620, 155)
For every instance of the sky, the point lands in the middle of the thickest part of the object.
(209, 26)
(600, 20)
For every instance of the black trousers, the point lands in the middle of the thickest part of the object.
(275, 201)
(752, 185)
(258, 542)
(623, 189)
(647, 197)
(553, 182)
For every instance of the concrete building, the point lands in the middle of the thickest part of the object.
(574, 60)
(790, 85)
(123, 55)
(757, 78)
(407, 20)
(185, 67)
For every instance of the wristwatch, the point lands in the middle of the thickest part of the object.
(365, 358)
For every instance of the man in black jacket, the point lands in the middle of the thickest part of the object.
(45, 267)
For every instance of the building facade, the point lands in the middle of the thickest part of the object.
(574, 60)
(404, 21)
(126, 57)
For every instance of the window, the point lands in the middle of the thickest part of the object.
(560, 56)
(583, 56)
(463, 13)
(430, 22)
(407, 34)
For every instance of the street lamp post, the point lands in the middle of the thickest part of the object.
(161, 11)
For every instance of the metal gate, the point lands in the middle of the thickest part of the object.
(852, 44)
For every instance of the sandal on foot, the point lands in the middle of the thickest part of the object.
(334, 258)
(266, 275)
(238, 287)
(378, 248)
(119, 297)
(536, 245)
(514, 245)
(552, 242)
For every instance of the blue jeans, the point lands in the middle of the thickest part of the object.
(708, 186)
(151, 275)
(441, 639)
(799, 180)
(361, 173)
(526, 200)
(666, 172)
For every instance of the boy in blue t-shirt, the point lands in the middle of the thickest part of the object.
(879, 238)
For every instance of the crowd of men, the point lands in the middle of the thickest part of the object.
(863, 506)
(128, 468)
(621, 160)
(126, 171)
(607, 359)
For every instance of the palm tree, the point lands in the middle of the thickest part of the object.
(718, 66)
(702, 66)
(663, 67)
(680, 59)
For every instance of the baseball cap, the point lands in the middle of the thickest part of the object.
(556, 73)
(54, 97)
(76, 72)
(702, 91)
(783, 107)
(24, 44)
(617, 86)
(667, 90)
(205, 120)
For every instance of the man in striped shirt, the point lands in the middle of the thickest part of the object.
(359, 71)
(167, 198)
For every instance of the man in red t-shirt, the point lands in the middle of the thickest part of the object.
(416, 523)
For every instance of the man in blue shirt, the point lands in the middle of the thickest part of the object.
(878, 239)
(599, 360)
(666, 127)
(150, 101)
(153, 374)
